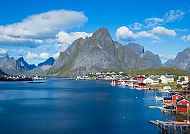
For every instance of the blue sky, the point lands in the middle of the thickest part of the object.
(38, 29)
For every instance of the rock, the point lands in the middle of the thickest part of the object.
(24, 65)
(101, 53)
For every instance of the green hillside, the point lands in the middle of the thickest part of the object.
(161, 71)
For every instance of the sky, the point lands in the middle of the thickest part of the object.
(39, 29)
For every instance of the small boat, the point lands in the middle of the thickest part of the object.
(159, 98)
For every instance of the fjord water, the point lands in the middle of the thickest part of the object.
(75, 107)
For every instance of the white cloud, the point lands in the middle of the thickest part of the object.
(163, 31)
(136, 26)
(66, 38)
(44, 55)
(173, 15)
(3, 51)
(170, 16)
(56, 55)
(31, 55)
(146, 34)
(40, 26)
(186, 38)
(151, 22)
(123, 33)
(17, 40)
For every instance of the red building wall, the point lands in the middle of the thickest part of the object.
(183, 106)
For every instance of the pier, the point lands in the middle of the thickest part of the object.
(173, 127)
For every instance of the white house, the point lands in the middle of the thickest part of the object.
(151, 81)
(183, 80)
(186, 78)
(165, 79)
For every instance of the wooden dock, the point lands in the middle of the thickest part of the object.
(172, 127)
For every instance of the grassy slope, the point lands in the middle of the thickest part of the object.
(161, 71)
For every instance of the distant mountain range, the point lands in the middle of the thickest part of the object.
(24, 65)
(95, 54)
(181, 61)
(101, 53)
(20, 66)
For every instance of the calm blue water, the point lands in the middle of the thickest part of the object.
(75, 107)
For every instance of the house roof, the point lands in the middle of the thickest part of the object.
(167, 98)
(182, 99)
(176, 95)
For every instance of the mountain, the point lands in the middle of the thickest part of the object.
(10, 66)
(42, 68)
(2, 73)
(9, 63)
(49, 61)
(101, 53)
(24, 65)
(21, 67)
(169, 63)
(136, 48)
(182, 60)
(150, 60)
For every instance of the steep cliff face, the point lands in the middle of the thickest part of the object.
(89, 55)
(50, 61)
(181, 61)
(101, 53)
(9, 63)
(24, 65)
(10, 66)
(150, 60)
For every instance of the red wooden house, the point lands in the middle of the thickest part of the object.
(183, 105)
(168, 101)
(142, 86)
(139, 79)
(176, 97)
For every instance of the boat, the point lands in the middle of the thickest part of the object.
(159, 98)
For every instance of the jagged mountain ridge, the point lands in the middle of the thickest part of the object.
(49, 61)
(9, 63)
(101, 53)
(21, 67)
(181, 61)
(43, 67)
(24, 65)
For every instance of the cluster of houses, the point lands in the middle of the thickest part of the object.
(137, 81)
(177, 103)
(143, 82)
(19, 77)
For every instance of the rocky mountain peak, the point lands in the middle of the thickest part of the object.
(182, 60)
(24, 65)
(49, 61)
(102, 34)
(101, 53)
(9, 63)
